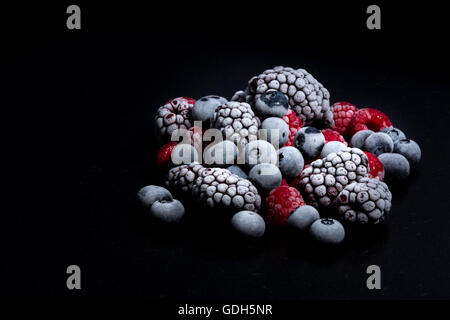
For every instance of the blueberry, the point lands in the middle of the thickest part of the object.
(265, 176)
(167, 210)
(272, 104)
(276, 131)
(394, 133)
(303, 217)
(149, 194)
(204, 108)
(395, 165)
(259, 151)
(290, 162)
(328, 231)
(378, 143)
(234, 169)
(309, 141)
(409, 149)
(248, 223)
(332, 146)
(359, 138)
(220, 154)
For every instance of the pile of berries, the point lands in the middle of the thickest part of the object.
(279, 154)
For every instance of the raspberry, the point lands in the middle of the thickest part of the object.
(280, 203)
(371, 119)
(343, 113)
(163, 156)
(294, 123)
(376, 169)
(331, 135)
(284, 183)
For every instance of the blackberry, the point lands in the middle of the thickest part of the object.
(219, 188)
(365, 202)
(237, 122)
(175, 114)
(309, 98)
(180, 179)
(321, 182)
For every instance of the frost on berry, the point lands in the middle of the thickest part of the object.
(321, 182)
(306, 96)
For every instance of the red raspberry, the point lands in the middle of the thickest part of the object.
(343, 113)
(284, 183)
(280, 203)
(331, 135)
(163, 160)
(294, 123)
(376, 169)
(371, 119)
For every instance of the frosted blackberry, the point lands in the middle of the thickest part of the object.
(365, 202)
(219, 188)
(181, 178)
(175, 114)
(321, 182)
(309, 98)
(237, 122)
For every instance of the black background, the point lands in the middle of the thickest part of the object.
(77, 138)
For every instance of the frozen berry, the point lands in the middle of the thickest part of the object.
(303, 217)
(395, 165)
(310, 142)
(332, 146)
(234, 169)
(359, 138)
(259, 151)
(167, 211)
(223, 153)
(149, 194)
(271, 104)
(275, 131)
(294, 123)
(175, 114)
(327, 231)
(265, 176)
(183, 154)
(409, 149)
(163, 160)
(290, 162)
(331, 135)
(394, 133)
(203, 109)
(248, 223)
(378, 143)
(343, 113)
(376, 169)
(280, 203)
(372, 119)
